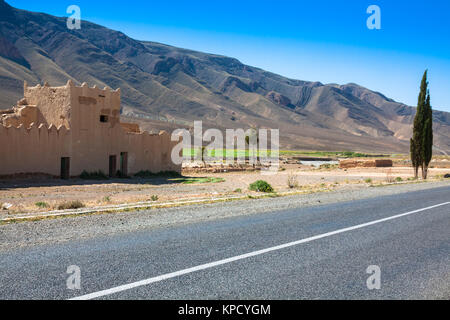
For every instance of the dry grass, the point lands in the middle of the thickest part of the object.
(71, 205)
(292, 181)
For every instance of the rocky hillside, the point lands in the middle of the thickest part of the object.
(164, 86)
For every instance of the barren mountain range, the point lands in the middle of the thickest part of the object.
(164, 87)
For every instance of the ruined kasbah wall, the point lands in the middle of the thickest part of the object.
(32, 150)
(79, 135)
(94, 142)
(39, 151)
(146, 152)
(53, 103)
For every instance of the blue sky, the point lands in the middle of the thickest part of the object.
(326, 41)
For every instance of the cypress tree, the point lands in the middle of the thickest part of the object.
(427, 136)
(422, 141)
(414, 158)
(417, 139)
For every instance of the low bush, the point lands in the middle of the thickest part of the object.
(42, 205)
(71, 205)
(261, 186)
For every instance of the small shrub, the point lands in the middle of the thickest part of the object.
(261, 186)
(292, 181)
(71, 205)
(42, 205)
(238, 191)
(154, 198)
(398, 179)
(107, 199)
(368, 180)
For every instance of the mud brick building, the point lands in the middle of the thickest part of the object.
(63, 131)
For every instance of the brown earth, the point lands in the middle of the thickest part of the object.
(24, 194)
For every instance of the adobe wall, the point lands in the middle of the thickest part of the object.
(88, 104)
(33, 150)
(25, 115)
(145, 151)
(89, 132)
(40, 149)
(53, 103)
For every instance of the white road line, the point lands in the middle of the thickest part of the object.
(241, 257)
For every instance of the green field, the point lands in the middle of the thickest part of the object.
(225, 152)
(245, 153)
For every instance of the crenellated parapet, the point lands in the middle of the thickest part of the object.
(38, 129)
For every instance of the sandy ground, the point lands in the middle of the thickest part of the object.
(25, 194)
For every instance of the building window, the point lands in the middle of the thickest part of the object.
(103, 119)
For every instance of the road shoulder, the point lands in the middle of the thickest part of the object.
(54, 231)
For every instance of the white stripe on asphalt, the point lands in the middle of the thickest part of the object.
(241, 257)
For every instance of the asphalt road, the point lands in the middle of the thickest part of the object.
(319, 252)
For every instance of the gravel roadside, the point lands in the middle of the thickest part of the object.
(46, 232)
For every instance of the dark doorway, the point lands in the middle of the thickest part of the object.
(65, 168)
(112, 166)
(124, 164)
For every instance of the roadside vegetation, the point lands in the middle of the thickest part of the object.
(42, 205)
(261, 186)
(71, 205)
(292, 181)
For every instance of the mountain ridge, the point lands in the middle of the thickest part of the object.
(162, 84)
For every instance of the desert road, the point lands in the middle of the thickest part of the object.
(321, 252)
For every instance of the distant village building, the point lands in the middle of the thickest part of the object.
(63, 131)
